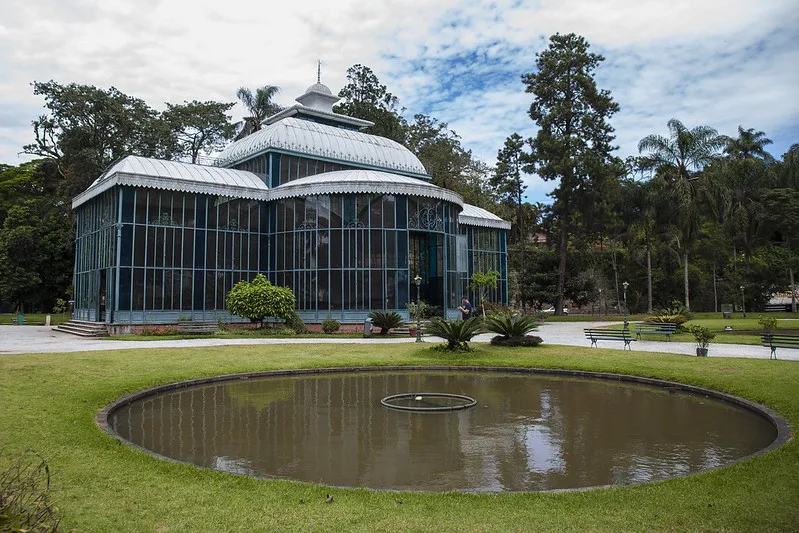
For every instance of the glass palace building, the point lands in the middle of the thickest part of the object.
(345, 219)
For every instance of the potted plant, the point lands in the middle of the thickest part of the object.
(702, 336)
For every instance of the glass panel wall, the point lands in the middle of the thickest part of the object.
(486, 252)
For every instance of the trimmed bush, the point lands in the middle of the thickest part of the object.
(260, 299)
(385, 320)
(524, 340)
(457, 333)
(330, 325)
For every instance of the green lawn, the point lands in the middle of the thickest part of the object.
(49, 402)
(744, 330)
(34, 319)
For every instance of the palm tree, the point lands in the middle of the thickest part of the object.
(259, 105)
(678, 162)
(749, 144)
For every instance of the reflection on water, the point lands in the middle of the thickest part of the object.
(527, 432)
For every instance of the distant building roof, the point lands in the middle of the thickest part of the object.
(361, 181)
(477, 216)
(313, 139)
(175, 176)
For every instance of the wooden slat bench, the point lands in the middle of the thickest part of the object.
(198, 328)
(774, 341)
(655, 328)
(609, 335)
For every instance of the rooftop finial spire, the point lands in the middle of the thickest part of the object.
(318, 71)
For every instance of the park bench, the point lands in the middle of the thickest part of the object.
(198, 328)
(655, 328)
(609, 335)
(774, 341)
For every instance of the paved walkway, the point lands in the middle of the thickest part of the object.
(40, 339)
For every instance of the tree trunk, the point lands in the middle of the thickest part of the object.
(685, 271)
(793, 290)
(715, 292)
(561, 269)
(649, 273)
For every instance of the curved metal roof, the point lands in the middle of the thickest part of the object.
(175, 176)
(361, 181)
(477, 216)
(314, 139)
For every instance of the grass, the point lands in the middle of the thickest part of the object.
(34, 319)
(744, 330)
(49, 402)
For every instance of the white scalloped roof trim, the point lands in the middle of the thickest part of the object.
(361, 181)
(477, 216)
(175, 176)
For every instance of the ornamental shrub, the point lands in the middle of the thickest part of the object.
(25, 497)
(259, 299)
(385, 320)
(330, 325)
(511, 325)
(457, 333)
(295, 323)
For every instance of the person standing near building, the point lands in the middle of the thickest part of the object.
(465, 308)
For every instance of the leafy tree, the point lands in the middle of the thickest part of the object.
(199, 127)
(259, 105)
(510, 187)
(482, 282)
(366, 98)
(88, 128)
(678, 161)
(573, 143)
(36, 236)
(259, 299)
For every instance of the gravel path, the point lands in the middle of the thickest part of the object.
(40, 339)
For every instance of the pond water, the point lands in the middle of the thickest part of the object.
(528, 432)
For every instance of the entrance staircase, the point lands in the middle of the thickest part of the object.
(83, 328)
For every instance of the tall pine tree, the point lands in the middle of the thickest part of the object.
(573, 144)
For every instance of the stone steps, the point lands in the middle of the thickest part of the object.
(83, 328)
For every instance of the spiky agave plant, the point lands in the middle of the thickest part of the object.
(512, 330)
(457, 333)
(385, 320)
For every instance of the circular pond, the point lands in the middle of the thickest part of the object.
(528, 432)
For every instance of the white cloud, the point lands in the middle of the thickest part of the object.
(702, 61)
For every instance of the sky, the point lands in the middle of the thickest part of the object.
(720, 63)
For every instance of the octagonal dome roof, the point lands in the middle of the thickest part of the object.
(316, 140)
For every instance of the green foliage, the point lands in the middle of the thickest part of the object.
(199, 127)
(768, 323)
(260, 299)
(259, 105)
(366, 98)
(60, 306)
(702, 335)
(678, 319)
(482, 282)
(574, 140)
(25, 497)
(512, 342)
(457, 333)
(417, 311)
(511, 325)
(36, 236)
(89, 128)
(330, 325)
(385, 320)
(295, 323)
